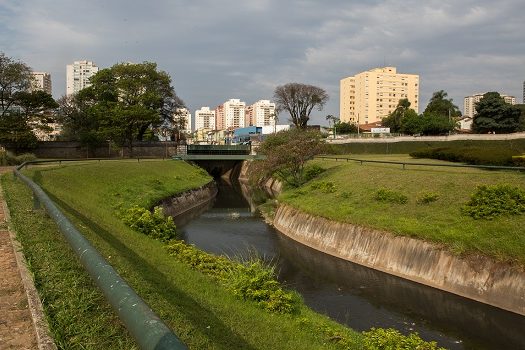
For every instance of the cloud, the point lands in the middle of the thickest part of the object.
(229, 49)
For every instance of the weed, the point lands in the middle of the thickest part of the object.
(491, 201)
(427, 197)
(389, 196)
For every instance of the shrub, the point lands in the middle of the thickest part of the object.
(153, 224)
(491, 201)
(390, 339)
(249, 280)
(8, 158)
(312, 171)
(386, 195)
(471, 155)
(324, 186)
(427, 197)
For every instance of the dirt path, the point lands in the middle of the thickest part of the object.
(20, 311)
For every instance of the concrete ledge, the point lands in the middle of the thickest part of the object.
(478, 278)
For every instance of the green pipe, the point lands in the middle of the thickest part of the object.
(144, 325)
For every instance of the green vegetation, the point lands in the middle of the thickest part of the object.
(8, 158)
(443, 190)
(153, 224)
(204, 313)
(473, 155)
(491, 201)
(493, 114)
(390, 339)
(389, 196)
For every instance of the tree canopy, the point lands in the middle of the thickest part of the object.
(22, 111)
(394, 121)
(493, 114)
(440, 105)
(122, 104)
(299, 100)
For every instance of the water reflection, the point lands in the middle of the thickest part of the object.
(349, 293)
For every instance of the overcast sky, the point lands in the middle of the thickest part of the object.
(215, 50)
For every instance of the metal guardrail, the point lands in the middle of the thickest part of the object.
(143, 324)
(405, 164)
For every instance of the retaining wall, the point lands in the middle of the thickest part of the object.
(478, 278)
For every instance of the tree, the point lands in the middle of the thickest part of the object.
(394, 120)
(21, 111)
(436, 124)
(493, 114)
(127, 100)
(286, 154)
(412, 123)
(439, 104)
(299, 100)
(345, 128)
(331, 119)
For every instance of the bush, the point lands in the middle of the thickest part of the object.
(427, 197)
(390, 339)
(153, 224)
(312, 171)
(249, 280)
(324, 186)
(8, 158)
(471, 155)
(386, 195)
(491, 201)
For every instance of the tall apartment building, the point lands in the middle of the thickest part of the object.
(231, 114)
(204, 119)
(182, 118)
(261, 113)
(78, 74)
(469, 103)
(370, 96)
(42, 81)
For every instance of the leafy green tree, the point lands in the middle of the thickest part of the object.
(394, 121)
(21, 111)
(412, 123)
(522, 117)
(127, 100)
(440, 105)
(493, 114)
(299, 100)
(437, 124)
(345, 128)
(287, 153)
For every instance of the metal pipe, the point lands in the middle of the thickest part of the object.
(144, 325)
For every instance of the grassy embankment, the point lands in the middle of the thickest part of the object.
(345, 192)
(203, 314)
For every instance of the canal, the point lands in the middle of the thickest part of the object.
(349, 293)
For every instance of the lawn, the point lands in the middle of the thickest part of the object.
(202, 313)
(349, 190)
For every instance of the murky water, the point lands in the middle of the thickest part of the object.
(349, 293)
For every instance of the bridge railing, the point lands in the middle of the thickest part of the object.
(144, 325)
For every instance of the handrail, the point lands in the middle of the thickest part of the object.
(144, 325)
(494, 167)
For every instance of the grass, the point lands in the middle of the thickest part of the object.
(438, 220)
(203, 314)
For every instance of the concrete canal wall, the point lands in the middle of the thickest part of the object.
(478, 278)
(186, 201)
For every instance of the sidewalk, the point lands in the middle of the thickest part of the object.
(22, 325)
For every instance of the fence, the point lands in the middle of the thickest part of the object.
(143, 324)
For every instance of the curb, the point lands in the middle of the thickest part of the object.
(44, 340)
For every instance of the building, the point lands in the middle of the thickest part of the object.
(78, 74)
(42, 81)
(219, 117)
(370, 96)
(469, 103)
(261, 113)
(182, 119)
(204, 119)
(233, 115)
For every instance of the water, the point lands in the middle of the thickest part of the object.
(349, 293)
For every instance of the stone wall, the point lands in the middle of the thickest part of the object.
(478, 277)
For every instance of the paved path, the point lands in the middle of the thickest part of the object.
(22, 325)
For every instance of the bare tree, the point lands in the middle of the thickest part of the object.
(299, 100)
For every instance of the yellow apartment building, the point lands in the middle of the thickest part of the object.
(370, 96)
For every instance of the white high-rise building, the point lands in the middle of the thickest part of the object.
(469, 103)
(78, 74)
(182, 118)
(42, 81)
(234, 116)
(261, 113)
(204, 119)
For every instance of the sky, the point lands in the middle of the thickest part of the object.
(215, 50)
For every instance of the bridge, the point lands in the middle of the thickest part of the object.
(217, 160)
